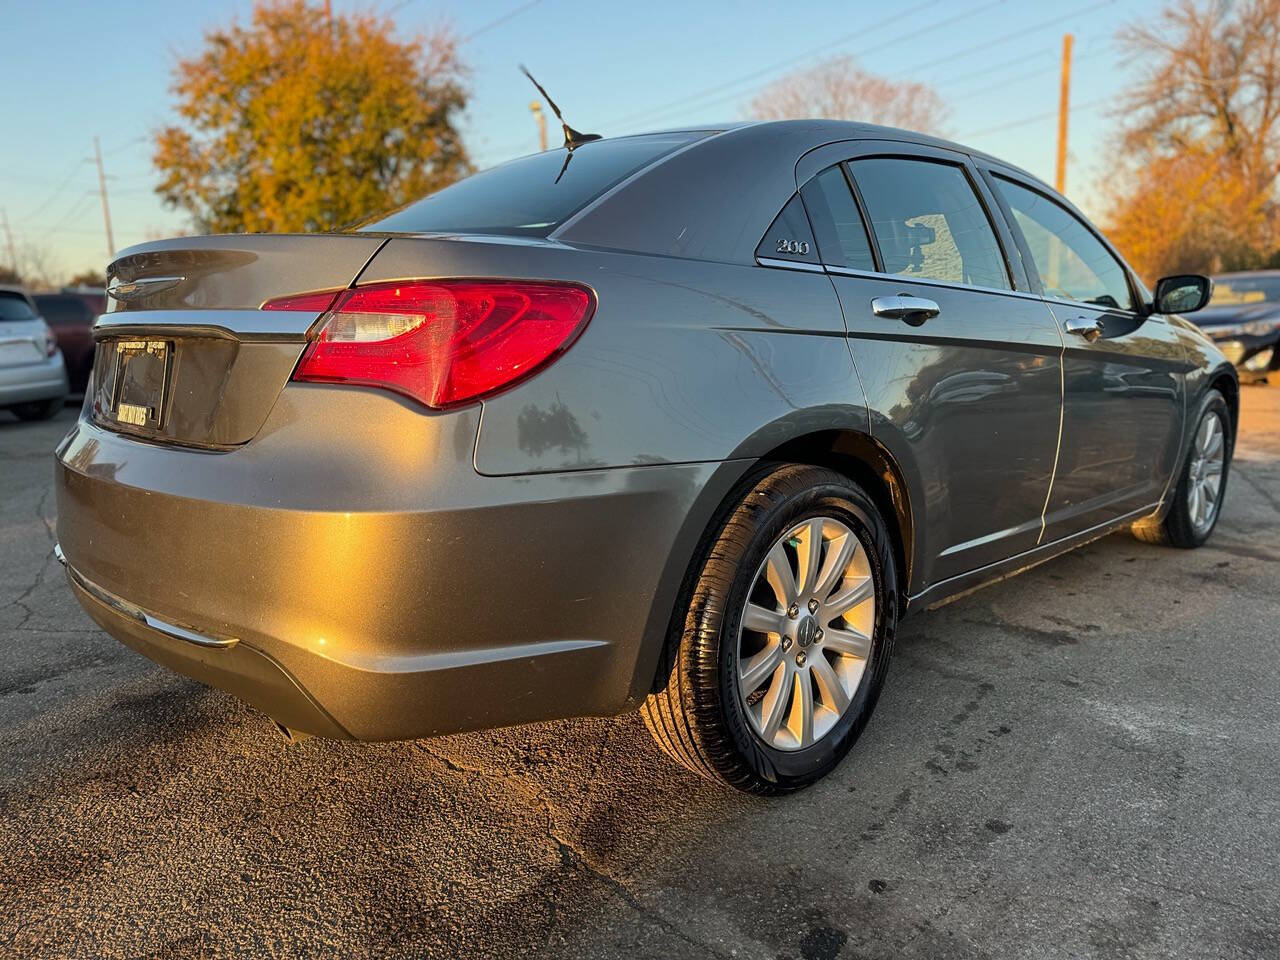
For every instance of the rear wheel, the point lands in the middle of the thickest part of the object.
(1202, 482)
(37, 409)
(786, 636)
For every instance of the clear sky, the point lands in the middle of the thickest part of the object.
(75, 68)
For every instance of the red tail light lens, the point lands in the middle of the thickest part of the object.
(445, 342)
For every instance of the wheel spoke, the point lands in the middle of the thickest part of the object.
(777, 571)
(802, 725)
(1196, 500)
(809, 554)
(762, 620)
(833, 694)
(847, 599)
(1213, 443)
(839, 554)
(850, 642)
(1202, 438)
(1212, 468)
(760, 667)
(773, 708)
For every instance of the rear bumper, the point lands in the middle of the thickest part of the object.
(378, 587)
(35, 381)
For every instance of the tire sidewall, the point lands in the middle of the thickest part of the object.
(847, 503)
(1212, 401)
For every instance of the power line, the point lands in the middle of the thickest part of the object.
(782, 64)
(500, 20)
(1026, 120)
(1016, 34)
(56, 193)
(1004, 82)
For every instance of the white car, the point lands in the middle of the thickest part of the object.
(33, 377)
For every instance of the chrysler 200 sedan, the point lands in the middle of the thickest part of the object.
(683, 422)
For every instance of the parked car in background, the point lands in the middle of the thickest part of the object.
(71, 313)
(33, 378)
(682, 422)
(1243, 319)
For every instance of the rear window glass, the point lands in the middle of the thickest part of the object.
(64, 311)
(14, 306)
(533, 195)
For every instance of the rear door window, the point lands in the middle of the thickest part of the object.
(929, 223)
(1073, 263)
(837, 224)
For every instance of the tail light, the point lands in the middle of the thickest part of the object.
(50, 342)
(441, 342)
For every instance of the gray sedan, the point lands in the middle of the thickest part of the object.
(683, 422)
(33, 377)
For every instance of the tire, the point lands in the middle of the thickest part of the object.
(1178, 527)
(37, 409)
(696, 712)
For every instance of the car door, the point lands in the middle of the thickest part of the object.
(1123, 391)
(967, 395)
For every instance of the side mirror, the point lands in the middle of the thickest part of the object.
(1182, 294)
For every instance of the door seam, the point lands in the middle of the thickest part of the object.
(1062, 411)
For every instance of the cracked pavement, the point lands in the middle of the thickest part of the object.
(1083, 761)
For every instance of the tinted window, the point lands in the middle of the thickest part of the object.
(789, 237)
(929, 223)
(842, 237)
(533, 195)
(1072, 263)
(64, 311)
(14, 306)
(1244, 290)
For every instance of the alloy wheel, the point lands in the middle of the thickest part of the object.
(1204, 479)
(806, 633)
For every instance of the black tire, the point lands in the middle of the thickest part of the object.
(37, 409)
(694, 711)
(1175, 528)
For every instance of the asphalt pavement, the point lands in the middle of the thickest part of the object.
(1083, 761)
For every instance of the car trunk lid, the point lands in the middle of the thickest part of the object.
(187, 354)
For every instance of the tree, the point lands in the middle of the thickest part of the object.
(88, 278)
(1202, 131)
(838, 89)
(10, 277)
(299, 122)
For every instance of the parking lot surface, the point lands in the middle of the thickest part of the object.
(1083, 761)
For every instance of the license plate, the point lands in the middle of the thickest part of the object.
(142, 369)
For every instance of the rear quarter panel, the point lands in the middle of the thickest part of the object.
(683, 361)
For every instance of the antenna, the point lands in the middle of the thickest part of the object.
(572, 138)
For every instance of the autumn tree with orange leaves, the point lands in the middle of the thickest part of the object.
(1202, 134)
(300, 121)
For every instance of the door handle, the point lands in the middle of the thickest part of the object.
(1091, 330)
(904, 307)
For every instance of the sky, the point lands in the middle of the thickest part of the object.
(72, 72)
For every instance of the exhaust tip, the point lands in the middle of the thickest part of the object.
(292, 736)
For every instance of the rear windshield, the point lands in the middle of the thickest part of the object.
(63, 310)
(533, 195)
(14, 306)
(1239, 291)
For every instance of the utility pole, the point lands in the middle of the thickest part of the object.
(538, 115)
(1060, 182)
(13, 257)
(102, 191)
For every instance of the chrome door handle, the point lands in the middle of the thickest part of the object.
(912, 310)
(1091, 330)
